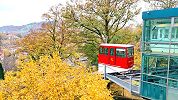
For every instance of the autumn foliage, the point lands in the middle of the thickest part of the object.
(35, 44)
(51, 79)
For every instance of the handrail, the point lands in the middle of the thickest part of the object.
(160, 77)
(123, 83)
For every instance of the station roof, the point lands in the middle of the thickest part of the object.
(117, 45)
(157, 14)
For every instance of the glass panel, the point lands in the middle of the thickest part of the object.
(172, 93)
(173, 32)
(161, 48)
(173, 72)
(101, 51)
(161, 32)
(166, 34)
(155, 34)
(158, 66)
(106, 51)
(146, 35)
(173, 68)
(174, 35)
(155, 69)
(176, 21)
(173, 83)
(157, 38)
(145, 64)
(111, 51)
(120, 52)
(157, 30)
(130, 52)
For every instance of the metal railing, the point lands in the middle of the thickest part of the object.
(128, 81)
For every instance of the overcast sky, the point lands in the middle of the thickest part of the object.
(20, 12)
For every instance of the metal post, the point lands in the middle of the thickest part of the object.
(105, 72)
(131, 84)
(169, 57)
(123, 91)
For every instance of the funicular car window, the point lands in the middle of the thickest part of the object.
(120, 52)
(111, 51)
(106, 51)
(130, 52)
(101, 50)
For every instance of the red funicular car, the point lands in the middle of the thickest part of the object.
(116, 57)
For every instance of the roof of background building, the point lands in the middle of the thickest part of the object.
(157, 14)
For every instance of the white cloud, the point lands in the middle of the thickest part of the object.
(19, 12)
(138, 19)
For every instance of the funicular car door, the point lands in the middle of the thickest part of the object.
(112, 56)
(101, 55)
(106, 55)
(130, 56)
(121, 57)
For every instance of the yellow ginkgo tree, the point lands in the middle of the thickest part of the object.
(50, 79)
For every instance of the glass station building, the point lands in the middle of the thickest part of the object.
(159, 73)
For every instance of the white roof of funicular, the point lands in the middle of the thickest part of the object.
(119, 45)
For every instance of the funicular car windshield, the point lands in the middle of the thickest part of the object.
(121, 52)
(130, 52)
